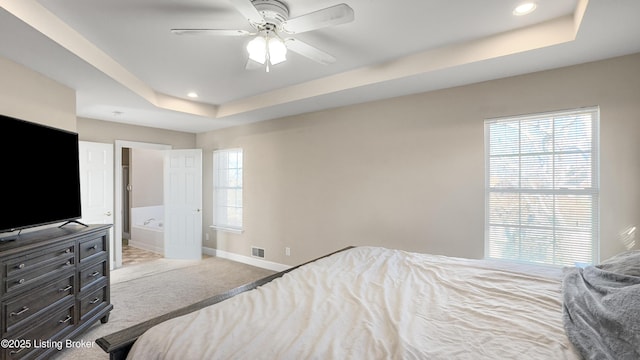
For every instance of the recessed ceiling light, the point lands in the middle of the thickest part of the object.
(193, 95)
(524, 8)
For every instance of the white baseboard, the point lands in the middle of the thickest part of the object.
(245, 259)
(146, 246)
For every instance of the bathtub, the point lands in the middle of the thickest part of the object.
(147, 230)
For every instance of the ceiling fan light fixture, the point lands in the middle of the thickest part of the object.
(265, 48)
(277, 51)
(257, 49)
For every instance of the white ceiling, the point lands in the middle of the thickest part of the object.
(126, 65)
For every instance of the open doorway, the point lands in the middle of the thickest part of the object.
(142, 205)
(138, 204)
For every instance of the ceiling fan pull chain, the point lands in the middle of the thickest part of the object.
(266, 50)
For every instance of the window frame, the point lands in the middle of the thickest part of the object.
(221, 191)
(555, 191)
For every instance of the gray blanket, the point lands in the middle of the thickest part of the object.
(602, 308)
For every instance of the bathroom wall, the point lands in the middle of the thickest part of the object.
(146, 178)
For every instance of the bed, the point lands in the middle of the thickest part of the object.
(378, 303)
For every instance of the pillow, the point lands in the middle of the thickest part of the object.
(625, 263)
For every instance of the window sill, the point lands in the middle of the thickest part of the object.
(227, 229)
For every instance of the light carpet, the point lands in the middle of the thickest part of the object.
(142, 292)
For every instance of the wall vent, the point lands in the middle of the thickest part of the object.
(257, 252)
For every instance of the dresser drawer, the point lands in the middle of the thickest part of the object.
(20, 310)
(93, 301)
(92, 247)
(33, 275)
(52, 327)
(37, 259)
(92, 274)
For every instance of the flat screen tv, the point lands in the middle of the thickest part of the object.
(40, 175)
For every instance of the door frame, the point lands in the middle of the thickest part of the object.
(117, 242)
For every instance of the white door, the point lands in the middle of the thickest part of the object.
(96, 185)
(183, 204)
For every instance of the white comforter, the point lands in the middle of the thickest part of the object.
(375, 303)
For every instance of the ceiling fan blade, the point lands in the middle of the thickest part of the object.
(246, 8)
(212, 32)
(334, 15)
(309, 51)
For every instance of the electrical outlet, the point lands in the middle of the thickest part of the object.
(287, 251)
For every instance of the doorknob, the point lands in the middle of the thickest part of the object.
(108, 213)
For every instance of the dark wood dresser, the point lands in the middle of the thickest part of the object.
(55, 285)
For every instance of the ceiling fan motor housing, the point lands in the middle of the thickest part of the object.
(274, 12)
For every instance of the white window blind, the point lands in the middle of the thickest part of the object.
(542, 188)
(227, 189)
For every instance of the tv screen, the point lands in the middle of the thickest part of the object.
(40, 175)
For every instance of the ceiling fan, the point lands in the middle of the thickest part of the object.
(271, 23)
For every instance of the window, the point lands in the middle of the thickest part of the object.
(227, 189)
(542, 188)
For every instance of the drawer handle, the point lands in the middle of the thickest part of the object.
(21, 281)
(22, 311)
(21, 266)
(94, 247)
(67, 251)
(94, 301)
(67, 264)
(94, 274)
(65, 320)
(66, 288)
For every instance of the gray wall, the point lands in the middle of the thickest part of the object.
(147, 177)
(27, 95)
(408, 172)
(109, 132)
